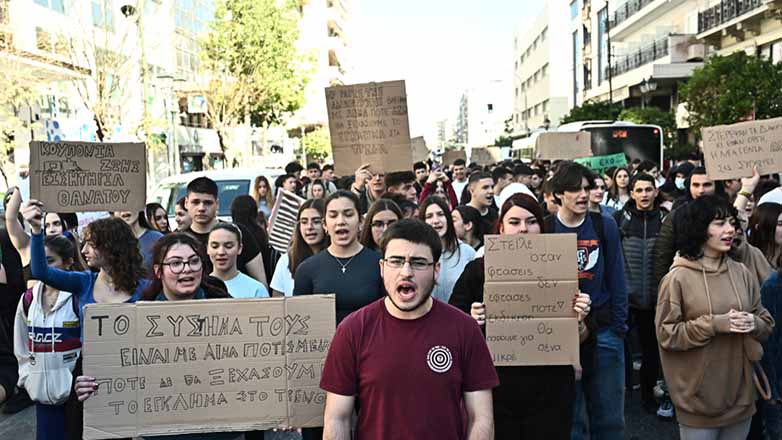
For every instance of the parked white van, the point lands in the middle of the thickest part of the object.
(230, 184)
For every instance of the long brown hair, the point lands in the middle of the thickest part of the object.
(159, 252)
(379, 206)
(299, 250)
(118, 246)
(269, 191)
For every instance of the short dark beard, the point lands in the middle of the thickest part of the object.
(420, 303)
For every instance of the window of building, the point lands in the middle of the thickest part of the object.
(602, 44)
(574, 9)
(516, 65)
(55, 5)
(544, 70)
(490, 107)
(545, 106)
(102, 15)
(517, 92)
(543, 34)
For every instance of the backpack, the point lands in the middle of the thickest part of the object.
(27, 301)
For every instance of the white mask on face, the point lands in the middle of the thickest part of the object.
(679, 182)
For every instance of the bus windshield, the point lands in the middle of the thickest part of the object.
(637, 142)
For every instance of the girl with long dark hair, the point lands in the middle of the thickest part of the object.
(382, 214)
(544, 409)
(765, 232)
(309, 238)
(157, 217)
(456, 254)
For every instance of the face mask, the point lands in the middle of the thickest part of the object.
(679, 182)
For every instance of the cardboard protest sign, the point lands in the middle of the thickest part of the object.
(530, 282)
(206, 366)
(563, 145)
(731, 151)
(420, 152)
(599, 164)
(452, 155)
(368, 125)
(86, 176)
(282, 223)
(485, 156)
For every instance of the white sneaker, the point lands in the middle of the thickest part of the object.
(665, 410)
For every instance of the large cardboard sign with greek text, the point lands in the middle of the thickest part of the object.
(486, 156)
(368, 125)
(730, 151)
(452, 156)
(563, 145)
(88, 176)
(206, 366)
(531, 280)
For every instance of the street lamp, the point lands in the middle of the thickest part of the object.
(646, 87)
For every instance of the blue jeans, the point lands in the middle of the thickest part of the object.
(598, 413)
(772, 420)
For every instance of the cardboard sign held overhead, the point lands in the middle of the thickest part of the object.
(731, 151)
(86, 176)
(420, 152)
(531, 280)
(451, 156)
(563, 145)
(206, 366)
(486, 156)
(368, 125)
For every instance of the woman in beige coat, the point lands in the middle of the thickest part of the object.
(710, 324)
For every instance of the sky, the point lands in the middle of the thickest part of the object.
(439, 47)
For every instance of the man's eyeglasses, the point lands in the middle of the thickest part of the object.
(415, 263)
(178, 266)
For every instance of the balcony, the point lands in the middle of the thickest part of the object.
(725, 12)
(645, 55)
(627, 10)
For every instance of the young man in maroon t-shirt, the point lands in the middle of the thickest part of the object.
(412, 366)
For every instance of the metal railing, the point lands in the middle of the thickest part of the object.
(725, 11)
(645, 55)
(627, 10)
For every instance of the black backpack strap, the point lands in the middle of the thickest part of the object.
(597, 221)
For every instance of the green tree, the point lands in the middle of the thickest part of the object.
(592, 111)
(317, 144)
(730, 88)
(250, 55)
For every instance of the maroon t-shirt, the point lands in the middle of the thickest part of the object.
(408, 376)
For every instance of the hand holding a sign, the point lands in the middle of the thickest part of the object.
(748, 184)
(582, 305)
(85, 386)
(478, 312)
(363, 175)
(32, 211)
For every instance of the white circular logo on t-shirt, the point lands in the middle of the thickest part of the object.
(439, 359)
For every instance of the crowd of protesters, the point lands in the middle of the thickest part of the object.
(680, 283)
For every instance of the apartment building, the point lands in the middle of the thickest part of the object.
(325, 37)
(754, 26)
(541, 74)
(653, 47)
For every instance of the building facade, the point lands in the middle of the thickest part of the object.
(541, 75)
(483, 110)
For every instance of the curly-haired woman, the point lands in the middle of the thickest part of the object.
(710, 323)
(109, 246)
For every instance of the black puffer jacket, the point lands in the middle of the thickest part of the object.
(639, 231)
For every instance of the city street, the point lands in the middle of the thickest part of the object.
(640, 425)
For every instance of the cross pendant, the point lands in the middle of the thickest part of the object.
(343, 270)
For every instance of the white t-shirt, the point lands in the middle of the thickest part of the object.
(282, 281)
(242, 286)
(458, 188)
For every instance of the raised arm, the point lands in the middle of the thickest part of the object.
(19, 237)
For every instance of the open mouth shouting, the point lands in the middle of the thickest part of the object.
(187, 281)
(406, 291)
